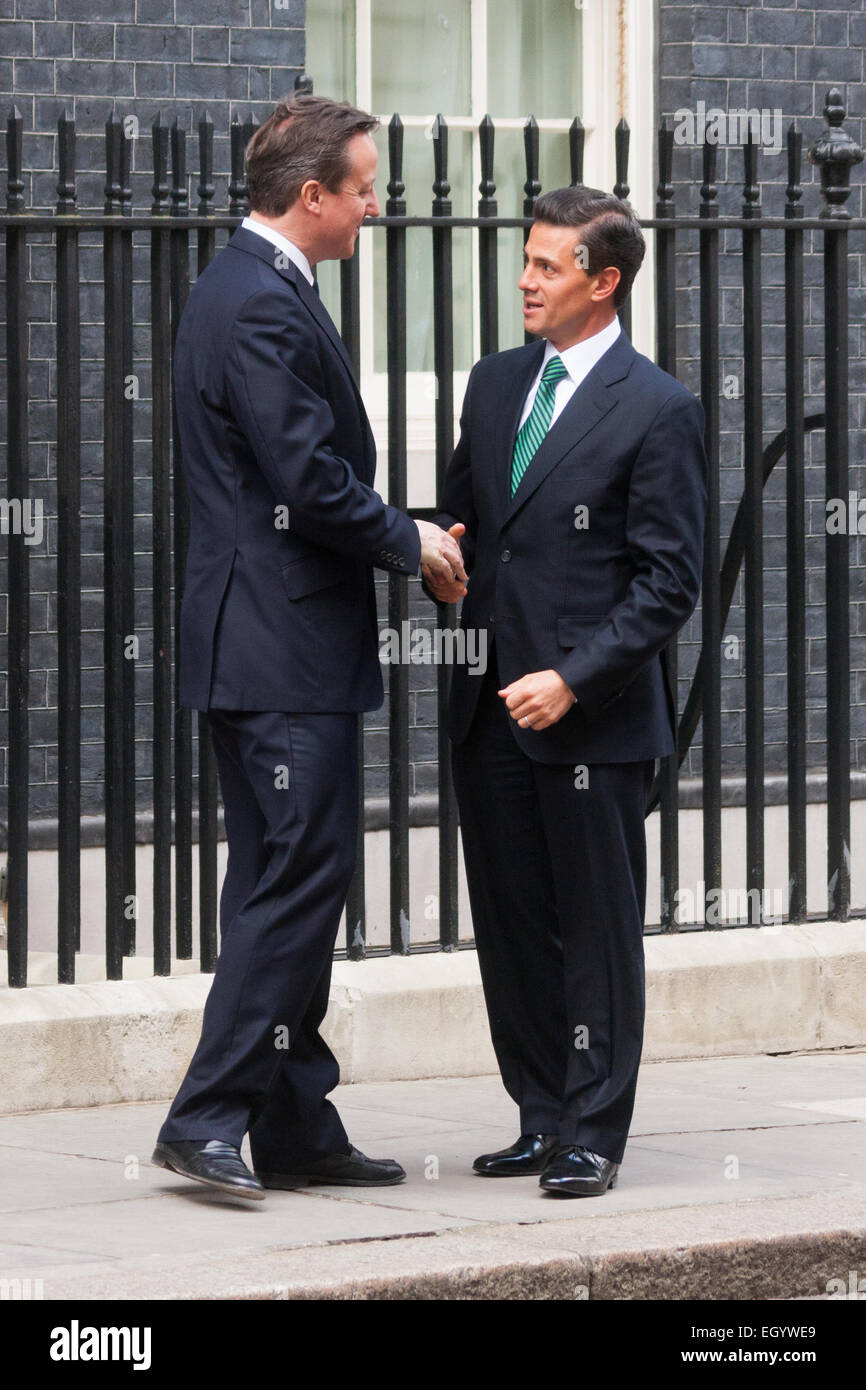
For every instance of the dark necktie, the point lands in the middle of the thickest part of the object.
(537, 423)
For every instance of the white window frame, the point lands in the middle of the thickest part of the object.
(617, 80)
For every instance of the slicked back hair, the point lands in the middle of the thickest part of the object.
(609, 230)
(305, 137)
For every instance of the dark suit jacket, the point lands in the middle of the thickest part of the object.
(270, 416)
(594, 595)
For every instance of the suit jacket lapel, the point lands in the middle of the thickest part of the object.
(312, 302)
(588, 405)
(245, 240)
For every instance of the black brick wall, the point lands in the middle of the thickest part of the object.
(773, 55)
(180, 57)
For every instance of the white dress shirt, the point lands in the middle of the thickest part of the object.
(287, 247)
(578, 361)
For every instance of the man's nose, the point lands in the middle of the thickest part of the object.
(373, 205)
(525, 282)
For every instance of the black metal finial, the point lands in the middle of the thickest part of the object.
(487, 205)
(114, 142)
(66, 195)
(179, 192)
(160, 187)
(441, 186)
(206, 187)
(532, 186)
(709, 190)
(751, 187)
(15, 161)
(576, 144)
(665, 188)
(622, 135)
(835, 153)
(396, 205)
(620, 142)
(237, 181)
(127, 124)
(303, 85)
(794, 191)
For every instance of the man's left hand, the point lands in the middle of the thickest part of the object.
(538, 700)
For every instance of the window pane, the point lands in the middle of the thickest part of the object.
(421, 57)
(330, 57)
(533, 58)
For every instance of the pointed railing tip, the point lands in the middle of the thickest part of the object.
(835, 153)
(834, 106)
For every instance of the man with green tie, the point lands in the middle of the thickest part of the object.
(580, 479)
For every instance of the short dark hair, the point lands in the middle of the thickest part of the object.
(305, 137)
(609, 227)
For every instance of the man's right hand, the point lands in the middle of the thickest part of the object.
(441, 560)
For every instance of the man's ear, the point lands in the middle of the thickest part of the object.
(606, 282)
(310, 196)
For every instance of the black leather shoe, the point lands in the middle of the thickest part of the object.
(353, 1169)
(212, 1162)
(530, 1154)
(578, 1172)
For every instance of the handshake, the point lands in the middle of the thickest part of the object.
(441, 561)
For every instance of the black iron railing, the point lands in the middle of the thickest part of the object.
(181, 244)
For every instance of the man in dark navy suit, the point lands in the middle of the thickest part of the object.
(279, 646)
(580, 479)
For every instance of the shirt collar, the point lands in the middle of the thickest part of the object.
(282, 243)
(580, 358)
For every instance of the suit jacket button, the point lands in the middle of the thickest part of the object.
(505, 556)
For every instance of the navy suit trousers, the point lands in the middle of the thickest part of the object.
(556, 869)
(290, 790)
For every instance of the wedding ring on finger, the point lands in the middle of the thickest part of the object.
(525, 722)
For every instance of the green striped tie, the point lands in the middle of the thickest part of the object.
(537, 422)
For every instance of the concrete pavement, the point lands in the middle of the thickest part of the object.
(745, 1177)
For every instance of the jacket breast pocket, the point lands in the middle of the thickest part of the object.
(311, 573)
(572, 628)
